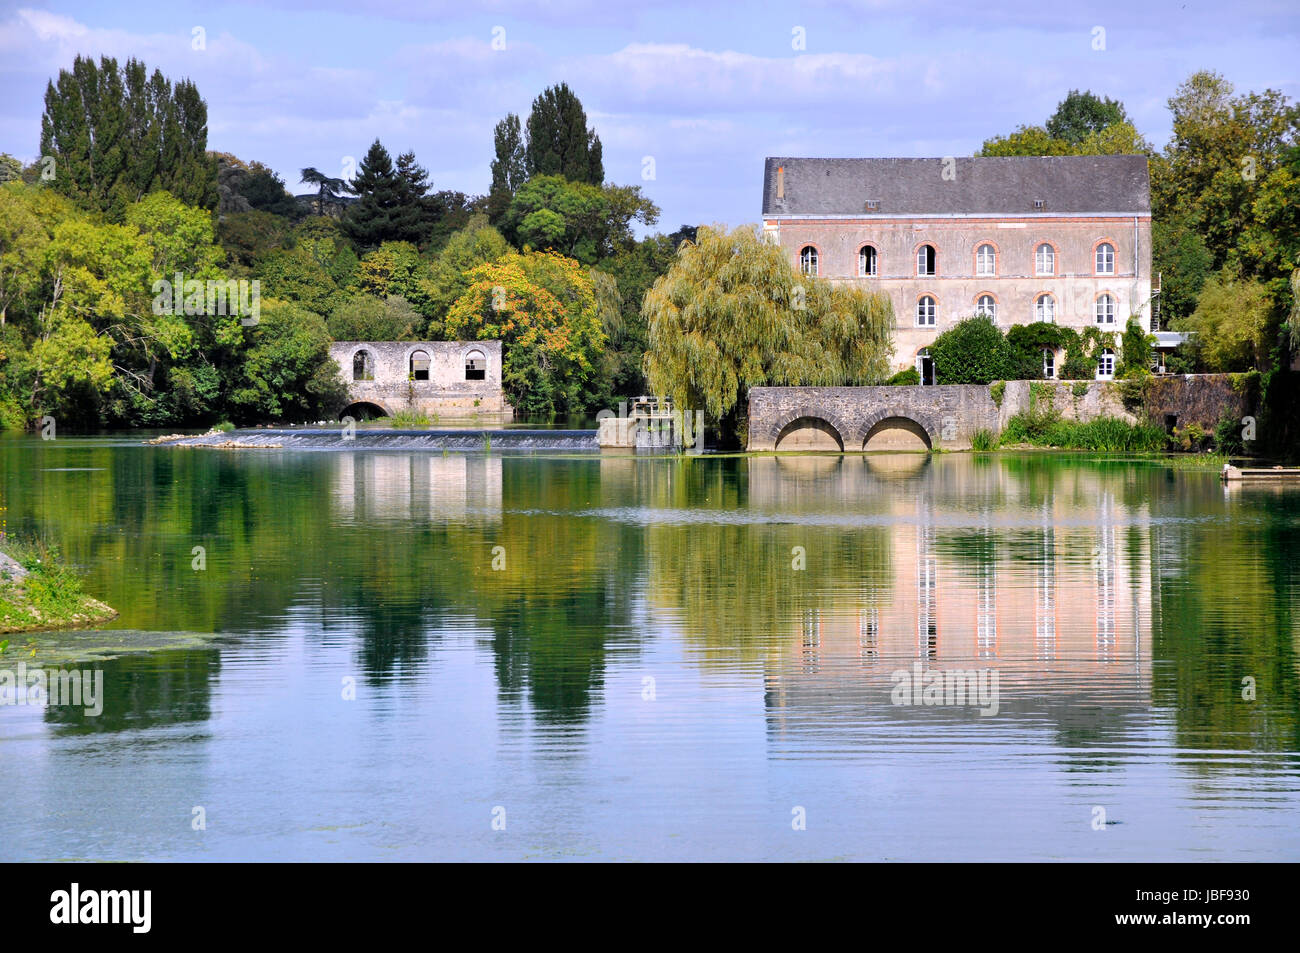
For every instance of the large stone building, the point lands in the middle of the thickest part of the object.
(436, 378)
(1022, 239)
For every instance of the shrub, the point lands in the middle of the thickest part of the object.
(973, 351)
(408, 418)
(1227, 436)
(983, 439)
(1106, 434)
(997, 390)
(1080, 389)
(909, 376)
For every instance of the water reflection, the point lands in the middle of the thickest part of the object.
(1121, 603)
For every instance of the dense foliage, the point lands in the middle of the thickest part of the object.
(115, 135)
(973, 351)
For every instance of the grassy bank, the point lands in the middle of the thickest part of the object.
(37, 591)
(1106, 434)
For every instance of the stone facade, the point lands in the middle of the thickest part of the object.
(876, 418)
(1072, 205)
(385, 377)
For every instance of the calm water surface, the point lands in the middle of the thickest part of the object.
(678, 659)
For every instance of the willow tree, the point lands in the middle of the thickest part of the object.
(732, 313)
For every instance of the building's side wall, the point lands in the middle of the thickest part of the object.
(446, 392)
(1014, 286)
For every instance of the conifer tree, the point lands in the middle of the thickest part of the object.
(379, 190)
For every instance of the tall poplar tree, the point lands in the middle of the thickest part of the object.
(559, 142)
(509, 168)
(116, 134)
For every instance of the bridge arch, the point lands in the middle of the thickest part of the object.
(365, 410)
(894, 429)
(811, 430)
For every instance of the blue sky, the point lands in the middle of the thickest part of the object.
(706, 89)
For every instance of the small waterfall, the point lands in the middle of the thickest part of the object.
(459, 440)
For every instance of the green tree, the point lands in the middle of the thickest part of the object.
(287, 373)
(973, 351)
(372, 219)
(509, 167)
(1232, 326)
(582, 221)
(559, 142)
(328, 189)
(731, 313)
(1081, 114)
(364, 317)
(117, 134)
(478, 243)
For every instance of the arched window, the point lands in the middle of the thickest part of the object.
(1105, 309)
(1105, 259)
(986, 261)
(808, 260)
(475, 366)
(925, 312)
(986, 307)
(867, 261)
(1106, 364)
(1045, 309)
(363, 366)
(1049, 363)
(419, 365)
(927, 260)
(1045, 260)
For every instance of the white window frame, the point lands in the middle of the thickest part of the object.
(1044, 254)
(1049, 363)
(933, 311)
(1105, 261)
(808, 260)
(863, 271)
(983, 270)
(920, 261)
(1106, 365)
(991, 312)
(1047, 314)
(1108, 313)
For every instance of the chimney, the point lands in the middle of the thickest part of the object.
(780, 181)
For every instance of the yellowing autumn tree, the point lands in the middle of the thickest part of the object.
(542, 307)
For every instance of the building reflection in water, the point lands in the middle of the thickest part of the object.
(1048, 584)
(370, 486)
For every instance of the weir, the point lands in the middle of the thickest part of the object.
(387, 439)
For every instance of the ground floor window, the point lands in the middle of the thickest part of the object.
(925, 366)
(1106, 365)
(1049, 363)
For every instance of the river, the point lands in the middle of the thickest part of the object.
(557, 655)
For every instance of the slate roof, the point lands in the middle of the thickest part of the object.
(1002, 185)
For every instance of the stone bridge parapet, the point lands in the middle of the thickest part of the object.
(890, 418)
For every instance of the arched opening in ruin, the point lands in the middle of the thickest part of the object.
(419, 365)
(809, 433)
(897, 434)
(363, 366)
(475, 366)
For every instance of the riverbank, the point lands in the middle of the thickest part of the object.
(38, 592)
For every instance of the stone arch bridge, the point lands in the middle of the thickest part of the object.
(851, 419)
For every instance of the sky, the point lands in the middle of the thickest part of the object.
(687, 96)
